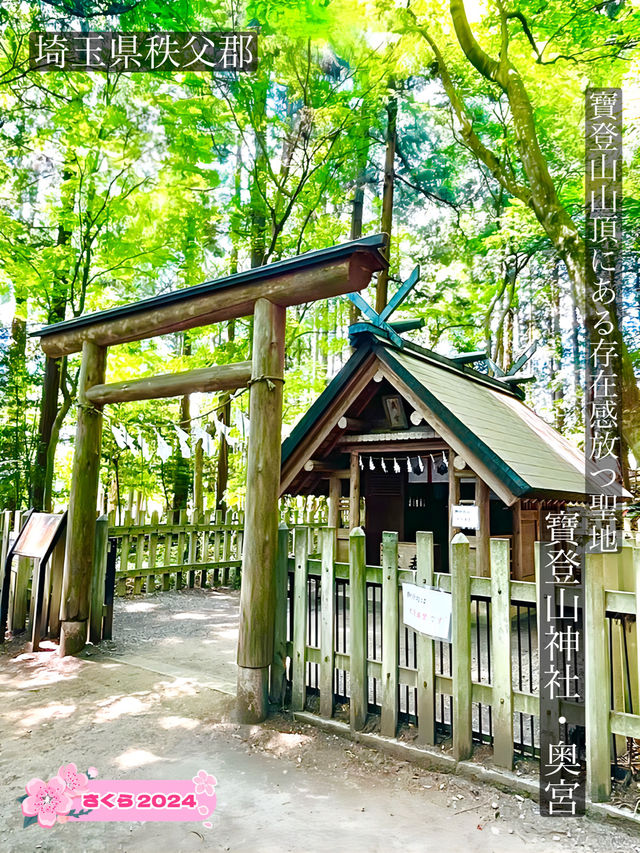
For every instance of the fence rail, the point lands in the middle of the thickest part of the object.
(340, 638)
(154, 555)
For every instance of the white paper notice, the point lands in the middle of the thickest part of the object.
(427, 610)
(466, 516)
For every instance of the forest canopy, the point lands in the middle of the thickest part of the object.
(457, 127)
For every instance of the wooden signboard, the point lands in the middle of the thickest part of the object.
(39, 533)
(37, 539)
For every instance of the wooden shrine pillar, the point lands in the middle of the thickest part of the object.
(483, 556)
(516, 557)
(257, 594)
(354, 490)
(454, 494)
(81, 525)
(335, 493)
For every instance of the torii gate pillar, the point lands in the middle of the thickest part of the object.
(76, 584)
(257, 597)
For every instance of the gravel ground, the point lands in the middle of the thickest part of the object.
(149, 708)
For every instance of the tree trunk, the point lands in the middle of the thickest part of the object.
(258, 203)
(362, 160)
(42, 474)
(16, 398)
(182, 470)
(386, 224)
(357, 210)
(198, 464)
(508, 338)
(556, 352)
(222, 473)
(48, 411)
(575, 343)
(222, 470)
(181, 476)
(56, 426)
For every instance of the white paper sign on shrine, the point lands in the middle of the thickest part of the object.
(427, 610)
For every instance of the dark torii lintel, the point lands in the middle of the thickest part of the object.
(305, 278)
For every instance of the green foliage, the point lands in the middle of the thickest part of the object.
(113, 189)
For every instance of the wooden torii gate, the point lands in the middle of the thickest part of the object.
(265, 292)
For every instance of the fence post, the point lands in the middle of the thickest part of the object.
(240, 536)
(461, 638)
(4, 541)
(166, 558)
(358, 681)
(39, 604)
(327, 628)
(201, 538)
(389, 698)
(307, 515)
(97, 578)
(192, 550)
(596, 699)
(278, 666)
(501, 687)
(57, 571)
(153, 552)
(217, 548)
(226, 546)
(299, 666)
(183, 520)
(424, 651)
(21, 582)
(121, 587)
(140, 543)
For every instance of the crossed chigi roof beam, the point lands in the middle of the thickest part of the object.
(392, 330)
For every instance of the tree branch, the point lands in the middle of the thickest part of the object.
(481, 61)
(471, 138)
(526, 29)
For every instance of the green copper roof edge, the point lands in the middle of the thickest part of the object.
(507, 475)
(464, 370)
(325, 399)
(379, 336)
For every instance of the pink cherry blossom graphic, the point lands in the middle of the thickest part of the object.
(76, 782)
(205, 783)
(47, 800)
(93, 772)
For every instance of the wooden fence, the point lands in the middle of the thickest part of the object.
(340, 636)
(338, 642)
(160, 555)
(147, 553)
(155, 554)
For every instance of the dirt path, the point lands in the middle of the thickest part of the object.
(190, 632)
(281, 787)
